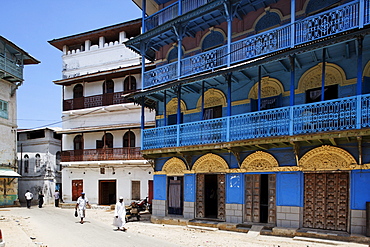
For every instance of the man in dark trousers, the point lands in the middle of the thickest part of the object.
(29, 197)
(56, 196)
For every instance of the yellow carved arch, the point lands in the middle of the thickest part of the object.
(334, 74)
(174, 167)
(212, 97)
(327, 158)
(259, 161)
(367, 69)
(210, 163)
(270, 87)
(171, 107)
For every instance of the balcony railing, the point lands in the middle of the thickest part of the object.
(9, 66)
(102, 154)
(334, 21)
(94, 101)
(172, 11)
(332, 115)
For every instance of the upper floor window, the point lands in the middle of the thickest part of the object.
(57, 161)
(78, 91)
(3, 109)
(129, 83)
(129, 139)
(106, 142)
(173, 54)
(314, 94)
(316, 5)
(269, 20)
(26, 163)
(212, 112)
(108, 86)
(78, 142)
(212, 40)
(37, 160)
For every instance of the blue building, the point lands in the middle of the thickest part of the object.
(262, 111)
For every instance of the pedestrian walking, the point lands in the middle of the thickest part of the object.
(41, 199)
(56, 197)
(82, 203)
(29, 197)
(120, 215)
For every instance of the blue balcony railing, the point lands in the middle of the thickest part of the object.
(332, 115)
(9, 66)
(172, 11)
(334, 21)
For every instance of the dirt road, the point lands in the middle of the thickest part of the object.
(56, 227)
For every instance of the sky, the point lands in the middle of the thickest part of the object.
(30, 24)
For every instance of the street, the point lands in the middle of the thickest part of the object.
(56, 227)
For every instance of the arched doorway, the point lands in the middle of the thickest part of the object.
(174, 169)
(260, 188)
(326, 188)
(210, 187)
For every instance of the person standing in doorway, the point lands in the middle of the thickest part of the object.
(56, 196)
(41, 199)
(29, 197)
(82, 203)
(120, 215)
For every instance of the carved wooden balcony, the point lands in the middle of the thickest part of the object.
(94, 101)
(102, 154)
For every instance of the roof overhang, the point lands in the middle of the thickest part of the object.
(132, 29)
(8, 173)
(105, 128)
(27, 58)
(103, 75)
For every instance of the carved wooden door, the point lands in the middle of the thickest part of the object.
(254, 202)
(200, 196)
(326, 201)
(221, 196)
(272, 198)
(77, 188)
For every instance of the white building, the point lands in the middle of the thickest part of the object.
(12, 61)
(39, 152)
(101, 130)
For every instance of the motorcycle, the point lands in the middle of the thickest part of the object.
(132, 211)
(144, 205)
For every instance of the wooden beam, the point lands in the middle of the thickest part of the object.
(332, 140)
(261, 147)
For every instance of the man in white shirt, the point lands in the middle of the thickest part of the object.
(120, 215)
(29, 197)
(81, 204)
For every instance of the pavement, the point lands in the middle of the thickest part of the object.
(57, 227)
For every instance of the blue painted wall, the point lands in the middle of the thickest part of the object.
(159, 184)
(189, 187)
(289, 189)
(234, 188)
(360, 189)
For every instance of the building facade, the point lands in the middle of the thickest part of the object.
(101, 130)
(12, 61)
(262, 111)
(39, 152)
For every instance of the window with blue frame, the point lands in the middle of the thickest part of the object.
(3, 109)
(212, 40)
(172, 55)
(267, 103)
(269, 20)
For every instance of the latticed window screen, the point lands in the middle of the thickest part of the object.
(3, 109)
(212, 40)
(135, 190)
